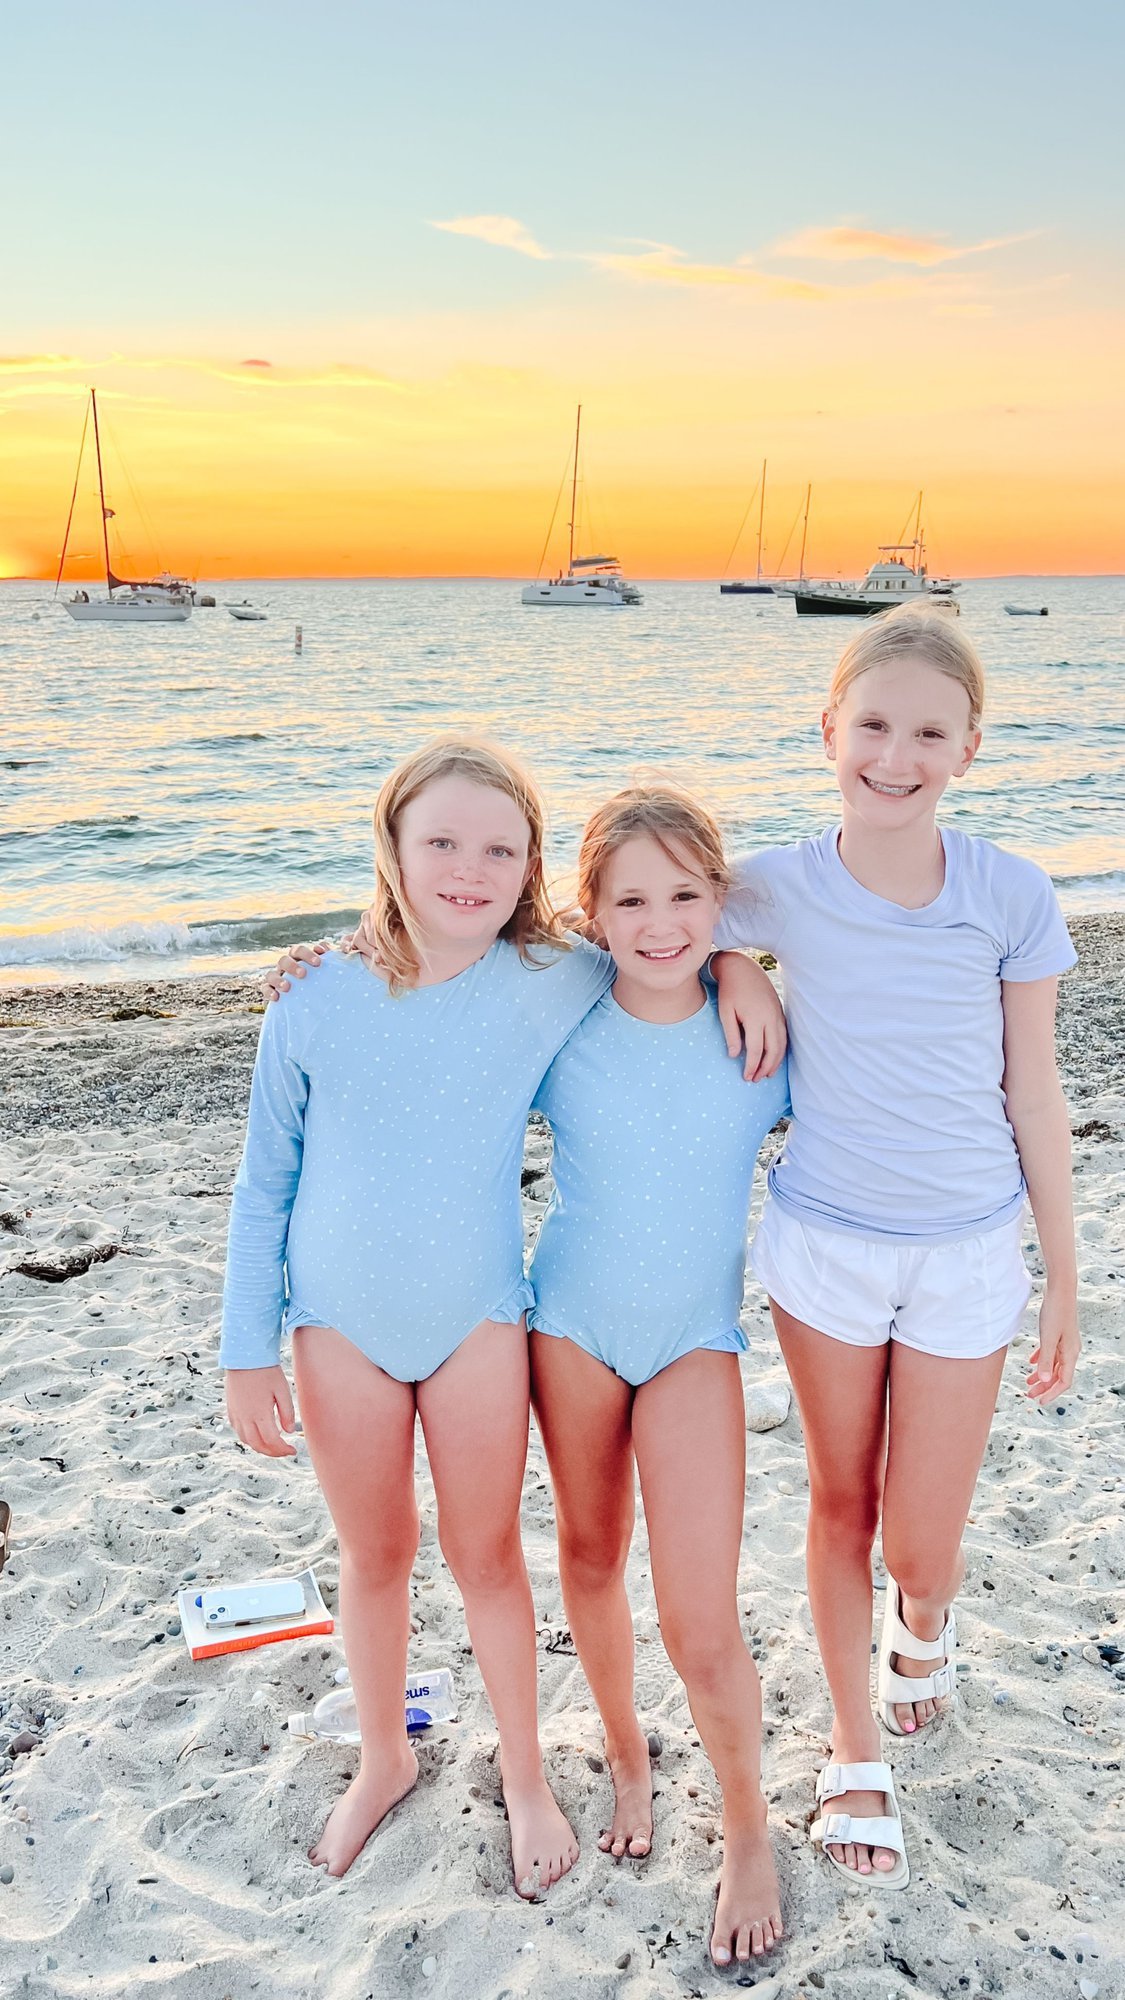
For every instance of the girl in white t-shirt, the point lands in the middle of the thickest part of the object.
(920, 969)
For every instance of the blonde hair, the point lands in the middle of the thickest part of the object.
(913, 631)
(667, 814)
(391, 928)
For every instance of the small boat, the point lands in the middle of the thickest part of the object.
(757, 586)
(1026, 610)
(162, 600)
(586, 579)
(246, 611)
(891, 580)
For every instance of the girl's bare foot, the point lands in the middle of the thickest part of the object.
(748, 1917)
(543, 1844)
(377, 1786)
(861, 1805)
(631, 1831)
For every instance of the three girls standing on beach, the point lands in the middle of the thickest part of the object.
(920, 973)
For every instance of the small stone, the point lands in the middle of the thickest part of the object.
(7, 1873)
(1001, 1697)
(21, 1744)
(785, 1486)
(767, 1405)
(95, 1306)
(1088, 1989)
(1040, 1655)
(1092, 1656)
(594, 1763)
(1055, 1952)
(655, 1744)
(766, 1989)
(429, 1967)
(622, 1963)
(1024, 1936)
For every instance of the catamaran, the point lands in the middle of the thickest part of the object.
(163, 600)
(587, 579)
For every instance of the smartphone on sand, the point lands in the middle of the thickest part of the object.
(249, 1603)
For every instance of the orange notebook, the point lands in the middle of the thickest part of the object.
(205, 1643)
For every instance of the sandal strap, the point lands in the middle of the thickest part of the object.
(903, 1640)
(838, 1829)
(836, 1779)
(917, 1687)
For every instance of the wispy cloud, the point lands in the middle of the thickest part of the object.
(663, 264)
(503, 231)
(843, 243)
(37, 364)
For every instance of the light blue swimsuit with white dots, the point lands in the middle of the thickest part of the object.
(379, 1191)
(642, 1254)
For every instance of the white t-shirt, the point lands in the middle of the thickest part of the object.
(896, 1033)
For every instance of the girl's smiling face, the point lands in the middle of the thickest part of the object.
(899, 734)
(657, 912)
(463, 855)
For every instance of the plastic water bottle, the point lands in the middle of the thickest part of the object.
(429, 1699)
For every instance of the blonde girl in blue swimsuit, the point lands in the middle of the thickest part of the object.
(638, 1277)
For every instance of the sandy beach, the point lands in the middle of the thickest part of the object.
(154, 1812)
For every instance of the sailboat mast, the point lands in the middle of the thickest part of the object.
(805, 529)
(761, 518)
(101, 491)
(574, 489)
(918, 534)
(73, 498)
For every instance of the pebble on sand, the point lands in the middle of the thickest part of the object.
(767, 1405)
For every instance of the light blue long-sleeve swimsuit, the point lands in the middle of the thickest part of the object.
(379, 1190)
(642, 1254)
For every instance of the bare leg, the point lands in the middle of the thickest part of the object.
(842, 1394)
(359, 1424)
(940, 1416)
(474, 1412)
(584, 1413)
(689, 1433)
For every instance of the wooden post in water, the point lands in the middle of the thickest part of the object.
(299, 641)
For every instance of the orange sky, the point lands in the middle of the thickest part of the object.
(440, 449)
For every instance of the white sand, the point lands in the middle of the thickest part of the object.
(156, 1834)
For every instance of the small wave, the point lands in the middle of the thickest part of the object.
(160, 939)
(221, 742)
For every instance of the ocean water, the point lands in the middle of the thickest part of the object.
(186, 798)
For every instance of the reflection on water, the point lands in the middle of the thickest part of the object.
(164, 787)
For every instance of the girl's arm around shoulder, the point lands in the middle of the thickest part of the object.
(1037, 1112)
(558, 988)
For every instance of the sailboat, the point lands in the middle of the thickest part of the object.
(758, 586)
(587, 579)
(163, 600)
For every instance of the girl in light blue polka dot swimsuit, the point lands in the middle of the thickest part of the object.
(376, 1216)
(638, 1277)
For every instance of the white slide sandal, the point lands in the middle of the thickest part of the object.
(838, 1829)
(895, 1688)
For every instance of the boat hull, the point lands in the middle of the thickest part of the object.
(579, 596)
(747, 589)
(130, 611)
(811, 604)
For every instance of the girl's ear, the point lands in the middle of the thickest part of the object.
(969, 751)
(828, 733)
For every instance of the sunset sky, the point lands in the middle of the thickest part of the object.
(341, 274)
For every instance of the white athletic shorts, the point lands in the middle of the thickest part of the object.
(957, 1300)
